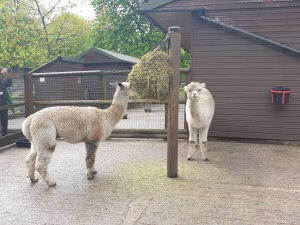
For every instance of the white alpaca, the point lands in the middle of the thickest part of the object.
(74, 124)
(200, 107)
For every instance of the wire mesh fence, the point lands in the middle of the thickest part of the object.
(92, 88)
(11, 118)
(12, 107)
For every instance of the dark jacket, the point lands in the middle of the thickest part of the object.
(4, 84)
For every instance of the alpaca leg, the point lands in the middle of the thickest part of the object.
(30, 164)
(203, 143)
(91, 149)
(192, 141)
(45, 146)
(43, 160)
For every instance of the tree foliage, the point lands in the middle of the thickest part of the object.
(71, 35)
(32, 33)
(120, 27)
(18, 39)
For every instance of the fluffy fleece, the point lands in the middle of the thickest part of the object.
(74, 124)
(200, 107)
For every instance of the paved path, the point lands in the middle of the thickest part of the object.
(241, 184)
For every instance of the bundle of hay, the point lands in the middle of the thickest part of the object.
(149, 79)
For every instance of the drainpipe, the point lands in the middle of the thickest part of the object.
(201, 15)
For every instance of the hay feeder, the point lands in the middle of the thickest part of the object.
(149, 79)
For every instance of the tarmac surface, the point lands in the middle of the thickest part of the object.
(241, 184)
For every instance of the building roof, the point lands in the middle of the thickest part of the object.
(153, 4)
(113, 55)
(69, 59)
(61, 58)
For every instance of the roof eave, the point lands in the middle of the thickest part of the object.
(46, 64)
(154, 4)
(103, 52)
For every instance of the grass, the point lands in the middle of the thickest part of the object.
(181, 91)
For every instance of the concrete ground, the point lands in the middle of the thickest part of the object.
(241, 184)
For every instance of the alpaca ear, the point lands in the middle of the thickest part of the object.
(185, 89)
(113, 84)
(120, 84)
(203, 85)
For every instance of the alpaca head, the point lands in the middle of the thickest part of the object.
(194, 90)
(122, 90)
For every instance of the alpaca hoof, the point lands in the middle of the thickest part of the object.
(90, 176)
(189, 158)
(51, 184)
(205, 159)
(94, 172)
(34, 180)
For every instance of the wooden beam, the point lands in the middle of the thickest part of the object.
(81, 73)
(96, 102)
(188, 79)
(28, 87)
(89, 72)
(132, 133)
(173, 102)
(4, 107)
(145, 131)
(10, 139)
(147, 136)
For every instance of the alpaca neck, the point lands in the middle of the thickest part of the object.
(194, 107)
(117, 109)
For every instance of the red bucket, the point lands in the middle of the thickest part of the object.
(280, 95)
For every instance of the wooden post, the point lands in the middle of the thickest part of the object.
(166, 116)
(104, 87)
(187, 81)
(28, 87)
(173, 102)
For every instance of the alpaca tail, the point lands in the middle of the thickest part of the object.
(26, 127)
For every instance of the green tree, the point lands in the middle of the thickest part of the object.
(18, 39)
(32, 33)
(61, 32)
(119, 27)
(72, 35)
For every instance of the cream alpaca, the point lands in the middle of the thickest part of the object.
(74, 124)
(200, 107)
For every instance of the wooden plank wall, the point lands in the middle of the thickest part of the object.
(278, 24)
(107, 66)
(228, 4)
(96, 57)
(240, 72)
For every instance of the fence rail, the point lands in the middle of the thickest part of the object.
(10, 106)
(92, 72)
(98, 102)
